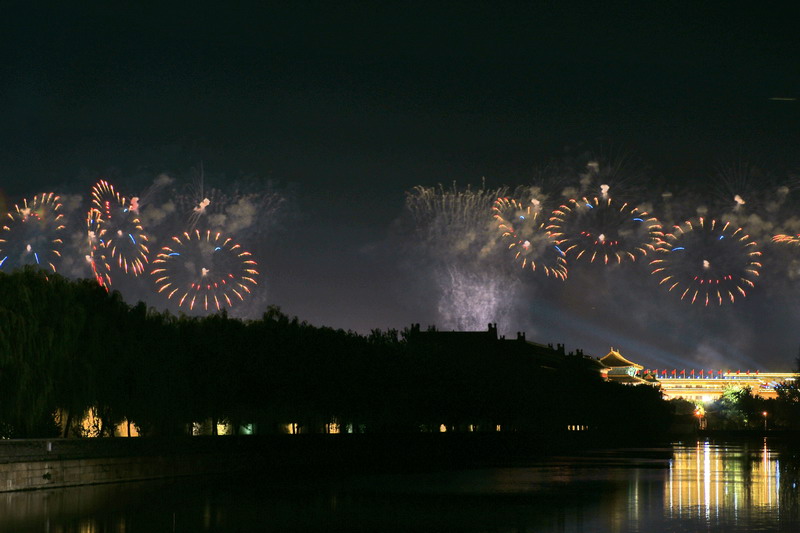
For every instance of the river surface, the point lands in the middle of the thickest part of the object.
(686, 488)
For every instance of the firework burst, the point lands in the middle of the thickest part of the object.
(793, 240)
(600, 229)
(200, 202)
(707, 261)
(522, 227)
(98, 255)
(745, 188)
(205, 270)
(32, 234)
(119, 229)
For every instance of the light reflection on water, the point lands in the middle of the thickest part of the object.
(710, 482)
(697, 487)
(736, 485)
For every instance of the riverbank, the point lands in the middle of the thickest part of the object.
(41, 464)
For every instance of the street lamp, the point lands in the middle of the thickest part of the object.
(699, 412)
(764, 414)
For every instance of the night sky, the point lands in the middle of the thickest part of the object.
(342, 109)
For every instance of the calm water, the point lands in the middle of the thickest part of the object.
(697, 487)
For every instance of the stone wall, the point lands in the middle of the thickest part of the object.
(42, 464)
(70, 472)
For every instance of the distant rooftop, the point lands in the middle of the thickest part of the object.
(614, 359)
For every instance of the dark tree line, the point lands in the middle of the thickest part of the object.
(68, 346)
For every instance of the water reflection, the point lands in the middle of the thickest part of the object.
(697, 487)
(732, 484)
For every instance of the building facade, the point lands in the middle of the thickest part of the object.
(695, 388)
(693, 385)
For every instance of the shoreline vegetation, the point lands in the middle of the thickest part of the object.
(69, 349)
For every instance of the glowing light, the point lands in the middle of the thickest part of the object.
(98, 255)
(793, 240)
(201, 207)
(604, 230)
(727, 259)
(115, 218)
(32, 234)
(523, 230)
(207, 272)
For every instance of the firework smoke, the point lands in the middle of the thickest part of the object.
(455, 231)
(471, 299)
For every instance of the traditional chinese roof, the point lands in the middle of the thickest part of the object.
(614, 359)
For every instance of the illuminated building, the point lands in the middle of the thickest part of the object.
(707, 389)
(620, 370)
(694, 385)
